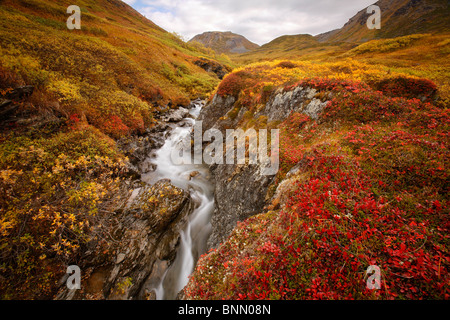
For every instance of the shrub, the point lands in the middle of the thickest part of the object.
(233, 83)
(407, 87)
(55, 192)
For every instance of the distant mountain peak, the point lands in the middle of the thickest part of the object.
(225, 42)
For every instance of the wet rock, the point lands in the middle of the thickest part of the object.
(147, 233)
(193, 175)
(7, 109)
(9, 101)
(20, 93)
(137, 149)
(176, 115)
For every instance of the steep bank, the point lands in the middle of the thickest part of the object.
(241, 190)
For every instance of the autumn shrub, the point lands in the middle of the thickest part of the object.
(233, 83)
(286, 65)
(8, 80)
(332, 228)
(56, 191)
(407, 87)
(386, 45)
(319, 246)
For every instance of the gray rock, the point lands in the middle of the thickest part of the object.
(148, 233)
(241, 191)
(303, 100)
(212, 112)
(176, 115)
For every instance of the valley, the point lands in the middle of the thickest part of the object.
(90, 121)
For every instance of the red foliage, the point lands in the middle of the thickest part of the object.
(74, 120)
(320, 245)
(151, 94)
(378, 197)
(114, 127)
(234, 83)
(407, 87)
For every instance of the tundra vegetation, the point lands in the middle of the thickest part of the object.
(365, 184)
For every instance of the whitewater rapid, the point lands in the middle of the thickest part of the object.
(194, 179)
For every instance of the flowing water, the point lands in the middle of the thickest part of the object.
(195, 180)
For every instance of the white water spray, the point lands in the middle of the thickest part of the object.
(195, 179)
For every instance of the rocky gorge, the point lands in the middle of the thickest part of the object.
(153, 223)
(150, 229)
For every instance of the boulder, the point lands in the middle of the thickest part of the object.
(241, 191)
(176, 115)
(147, 234)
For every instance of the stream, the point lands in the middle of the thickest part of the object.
(195, 180)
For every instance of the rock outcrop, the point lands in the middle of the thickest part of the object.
(241, 191)
(10, 101)
(144, 239)
(213, 67)
(141, 239)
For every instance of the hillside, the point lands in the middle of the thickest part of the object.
(398, 18)
(363, 180)
(225, 42)
(90, 121)
(292, 47)
(364, 165)
(66, 98)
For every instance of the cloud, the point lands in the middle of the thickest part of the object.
(130, 2)
(259, 20)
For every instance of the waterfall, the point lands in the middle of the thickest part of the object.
(194, 179)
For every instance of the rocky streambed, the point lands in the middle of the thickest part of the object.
(175, 213)
(163, 227)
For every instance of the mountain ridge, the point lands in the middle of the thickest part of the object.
(398, 18)
(225, 42)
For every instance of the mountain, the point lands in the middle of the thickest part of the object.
(225, 42)
(289, 42)
(398, 18)
(291, 47)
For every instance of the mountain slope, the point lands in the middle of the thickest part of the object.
(398, 18)
(117, 50)
(225, 42)
(287, 43)
(363, 181)
(290, 47)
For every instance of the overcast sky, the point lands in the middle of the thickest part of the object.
(258, 20)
